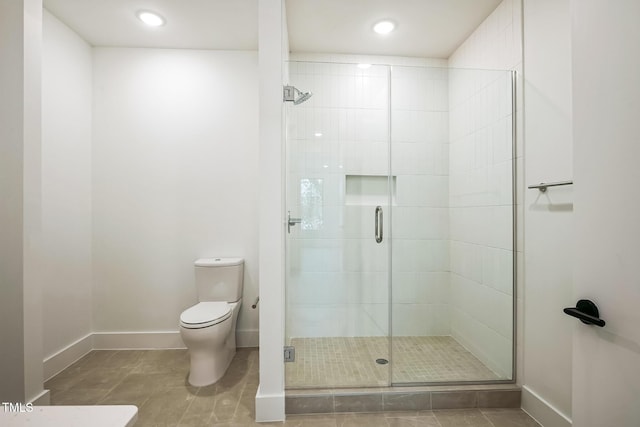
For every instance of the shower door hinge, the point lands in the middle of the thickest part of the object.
(289, 353)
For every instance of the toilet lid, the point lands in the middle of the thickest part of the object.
(205, 314)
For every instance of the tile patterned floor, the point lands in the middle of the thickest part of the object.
(350, 362)
(155, 381)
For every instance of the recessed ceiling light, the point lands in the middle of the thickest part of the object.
(318, 134)
(384, 27)
(364, 66)
(150, 18)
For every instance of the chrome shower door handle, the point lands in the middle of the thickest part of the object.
(379, 221)
(292, 221)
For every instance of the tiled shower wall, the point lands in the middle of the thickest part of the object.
(337, 272)
(420, 217)
(338, 162)
(480, 167)
(470, 298)
(481, 251)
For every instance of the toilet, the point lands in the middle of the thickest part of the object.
(208, 329)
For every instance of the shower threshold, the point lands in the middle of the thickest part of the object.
(401, 398)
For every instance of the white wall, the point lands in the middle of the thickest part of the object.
(32, 214)
(66, 185)
(605, 58)
(481, 183)
(549, 216)
(175, 178)
(11, 193)
(20, 211)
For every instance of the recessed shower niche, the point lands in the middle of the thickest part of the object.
(367, 190)
(402, 178)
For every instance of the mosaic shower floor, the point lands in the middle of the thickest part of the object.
(351, 362)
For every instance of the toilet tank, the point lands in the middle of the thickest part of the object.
(219, 279)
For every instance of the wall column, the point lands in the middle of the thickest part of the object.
(270, 395)
(20, 210)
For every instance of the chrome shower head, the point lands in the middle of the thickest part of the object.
(303, 97)
(293, 94)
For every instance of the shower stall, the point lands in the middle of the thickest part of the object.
(400, 254)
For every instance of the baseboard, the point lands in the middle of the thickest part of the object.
(137, 340)
(269, 407)
(542, 411)
(164, 340)
(57, 362)
(159, 340)
(42, 399)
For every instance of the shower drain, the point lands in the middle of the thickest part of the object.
(382, 361)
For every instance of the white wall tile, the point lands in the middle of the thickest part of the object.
(420, 320)
(481, 188)
(420, 223)
(450, 126)
(422, 190)
(422, 288)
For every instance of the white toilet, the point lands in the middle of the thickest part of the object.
(208, 328)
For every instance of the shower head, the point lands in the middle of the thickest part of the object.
(303, 97)
(295, 95)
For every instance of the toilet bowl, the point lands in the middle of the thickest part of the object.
(208, 330)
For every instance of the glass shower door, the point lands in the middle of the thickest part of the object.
(452, 151)
(338, 196)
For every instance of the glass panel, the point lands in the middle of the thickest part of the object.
(452, 263)
(337, 290)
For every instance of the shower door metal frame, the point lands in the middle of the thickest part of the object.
(514, 240)
(514, 243)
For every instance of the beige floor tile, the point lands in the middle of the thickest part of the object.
(126, 359)
(65, 380)
(101, 378)
(78, 396)
(311, 421)
(166, 407)
(199, 412)
(225, 405)
(128, 392)
(362, 420)
(462, 418)
(509, 418)
(423, 418)
(155, 381)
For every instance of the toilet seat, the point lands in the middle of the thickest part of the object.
(205, 314)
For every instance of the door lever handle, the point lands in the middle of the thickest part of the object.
(587, 312)
(292, 221)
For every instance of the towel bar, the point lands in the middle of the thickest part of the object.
(543, 185)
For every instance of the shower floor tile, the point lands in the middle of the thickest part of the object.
(351, 362)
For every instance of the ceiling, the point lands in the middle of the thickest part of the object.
(426, 28)
(191, 24)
